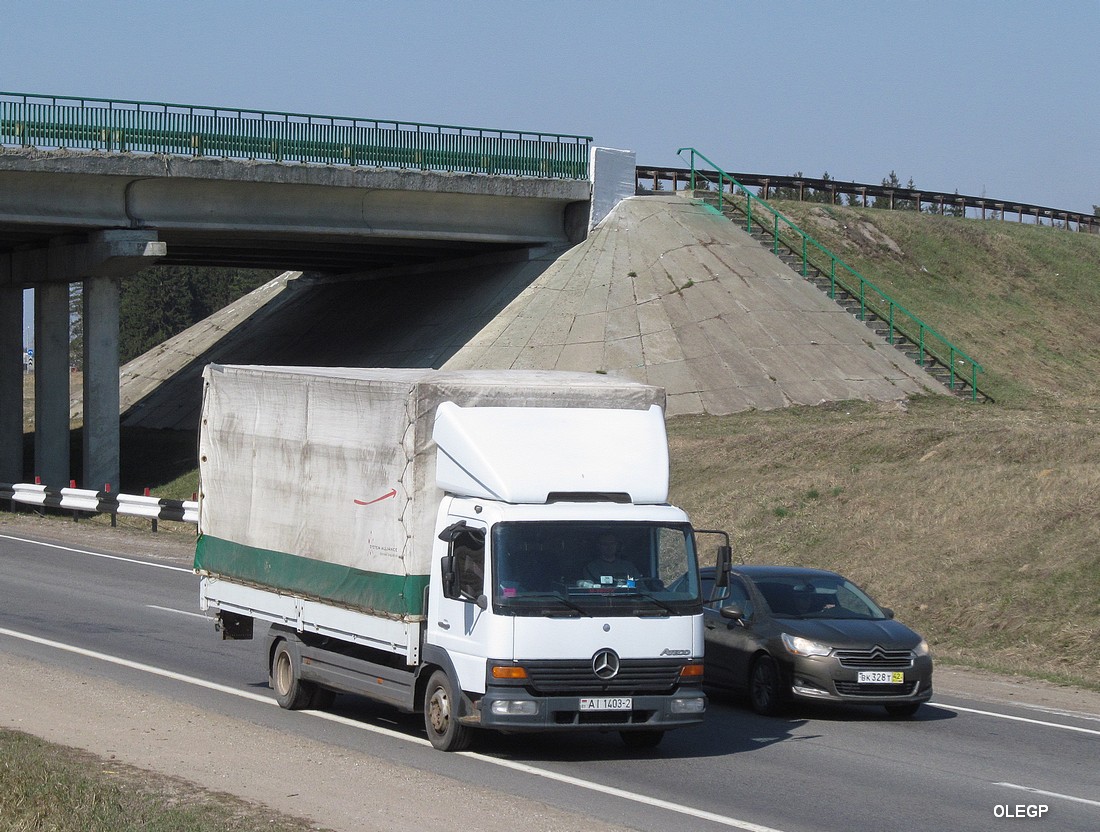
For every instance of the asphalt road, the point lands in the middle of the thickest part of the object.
(962, 764)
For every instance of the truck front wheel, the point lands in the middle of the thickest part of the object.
(441, 715)
(290, 691)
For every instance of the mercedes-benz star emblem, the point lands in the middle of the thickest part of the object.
(605, 664)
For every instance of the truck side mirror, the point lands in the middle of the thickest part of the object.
(722, 569)
(451, 533)
(447, 570)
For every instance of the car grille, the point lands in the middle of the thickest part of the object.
(634, 676)
(875, 659)
(856, 689)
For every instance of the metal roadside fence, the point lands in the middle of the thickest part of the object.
(79, 500)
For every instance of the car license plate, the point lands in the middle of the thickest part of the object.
(607, 703)
(880, 677)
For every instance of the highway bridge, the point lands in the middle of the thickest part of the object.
(424, 245)
(94, 190)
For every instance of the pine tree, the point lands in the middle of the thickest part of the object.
(162, 301)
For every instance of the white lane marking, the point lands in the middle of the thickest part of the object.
(97, 554)
(1049, 794)
(1041, 722)
(156, 671)
(520, 767)
(1043, 709)
(178, 612)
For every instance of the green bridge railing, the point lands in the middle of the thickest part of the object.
(44, 121)
(872, 300)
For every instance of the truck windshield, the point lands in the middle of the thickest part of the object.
(591, 568)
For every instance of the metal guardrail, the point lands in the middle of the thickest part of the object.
(54, 122)
(101, 502)
(930, 344)
(918, 198)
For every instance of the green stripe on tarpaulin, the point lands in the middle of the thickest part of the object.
(373, 592)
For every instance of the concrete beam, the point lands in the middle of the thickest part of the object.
(109, 253)
(213, 205)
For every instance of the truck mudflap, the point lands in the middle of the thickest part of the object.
(514, 709)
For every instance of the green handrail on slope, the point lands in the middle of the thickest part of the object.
(46, 121)
(892, 309)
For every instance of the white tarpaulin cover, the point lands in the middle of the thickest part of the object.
(321, 481)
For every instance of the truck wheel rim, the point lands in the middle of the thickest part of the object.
(440, 711)
(282, 673)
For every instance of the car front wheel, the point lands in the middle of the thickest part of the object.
(765, 691)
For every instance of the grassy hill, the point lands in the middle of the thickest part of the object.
(978, 523)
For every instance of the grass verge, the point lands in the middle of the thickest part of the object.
(52, 787)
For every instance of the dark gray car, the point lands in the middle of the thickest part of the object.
(788, 632)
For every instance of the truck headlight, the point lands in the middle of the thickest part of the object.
(515, 707)
(687, 705)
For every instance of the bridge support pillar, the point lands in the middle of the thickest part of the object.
(101, 260)
(101, 397)
(51, 383)
(11, 376)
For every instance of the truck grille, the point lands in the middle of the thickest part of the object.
(875, 659)
(634, 676)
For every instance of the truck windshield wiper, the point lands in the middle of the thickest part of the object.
(557, 596)
(668, 607)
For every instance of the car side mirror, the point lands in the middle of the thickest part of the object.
(889, 613)
(732, 611)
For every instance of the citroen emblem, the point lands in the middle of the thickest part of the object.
(605, 664)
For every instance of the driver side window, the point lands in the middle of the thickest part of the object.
(468, 551)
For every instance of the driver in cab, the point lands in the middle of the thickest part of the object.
(607, 567)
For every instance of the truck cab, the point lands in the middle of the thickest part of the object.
(543, 632)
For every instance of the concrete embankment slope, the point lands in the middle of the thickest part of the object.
(668, 291)
(392, 318)
(664, 291)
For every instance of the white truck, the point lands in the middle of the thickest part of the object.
(493, 549)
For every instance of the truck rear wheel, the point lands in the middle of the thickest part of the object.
(441, 715)
(290, 691)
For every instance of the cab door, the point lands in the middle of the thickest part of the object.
(458, 607)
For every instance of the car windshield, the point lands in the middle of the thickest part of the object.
(816, 596)
(594, 568)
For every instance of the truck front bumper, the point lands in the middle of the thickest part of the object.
(514, 709)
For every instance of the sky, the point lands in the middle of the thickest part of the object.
(984, 98)
(997, 97)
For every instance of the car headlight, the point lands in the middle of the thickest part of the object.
(804, 647)
(922, 649)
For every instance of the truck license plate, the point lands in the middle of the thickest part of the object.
(880, 677)
(607, 703)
